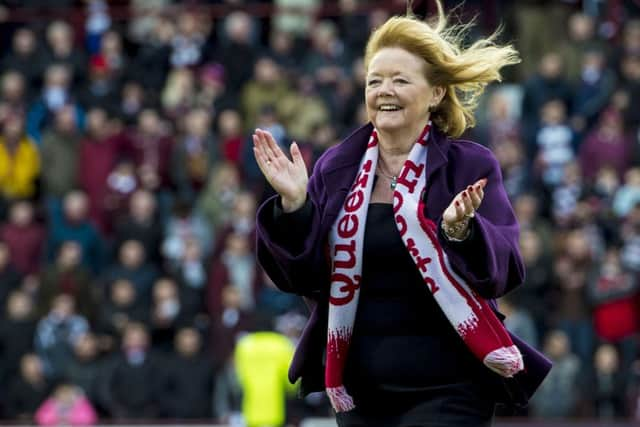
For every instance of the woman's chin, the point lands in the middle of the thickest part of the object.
(388, 125)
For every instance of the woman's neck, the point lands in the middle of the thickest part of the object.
(395, 146)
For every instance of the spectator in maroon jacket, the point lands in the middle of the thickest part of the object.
(9, 276)
(151, 148)
(122, 183)
(99, 153)
(25, 238)
(606, 145)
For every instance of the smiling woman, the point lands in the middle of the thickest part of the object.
(401, 240)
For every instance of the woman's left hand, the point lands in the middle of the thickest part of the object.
(462, 207)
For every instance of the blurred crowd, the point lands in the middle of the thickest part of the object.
(129, 287)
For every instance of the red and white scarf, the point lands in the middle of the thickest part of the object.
(469, 314)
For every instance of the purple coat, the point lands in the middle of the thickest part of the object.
(490, 261)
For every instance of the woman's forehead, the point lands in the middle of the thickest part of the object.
(390, 60)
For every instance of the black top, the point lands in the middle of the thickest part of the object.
(402, 341)
(403, 350)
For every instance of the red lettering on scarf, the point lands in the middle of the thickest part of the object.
(397, 201)
(432, 285)
(354, 201)
(410, 167)
(402, 225)
(363, 176)
(349, 288)
(347, 226)
(350, 250)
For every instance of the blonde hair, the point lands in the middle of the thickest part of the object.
(463, 72)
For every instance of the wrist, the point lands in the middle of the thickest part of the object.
(457, 231)
(289, 205)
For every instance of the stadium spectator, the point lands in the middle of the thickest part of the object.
(558, 396)
(100, 151)
(189, 382)
(60, 146)
(120, 306)
(56, 93)
(70, 222)
(20, 161)
(66, 406)
(86, 367)
(9, 276)
(132, 378)
(27, 390)
(142, 223)
(67, 275)
(57, 333)
(16, 334)
(25, 238)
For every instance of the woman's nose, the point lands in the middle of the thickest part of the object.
(386, 88)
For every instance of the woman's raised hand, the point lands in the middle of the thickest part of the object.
(287, 177)
(455, 219)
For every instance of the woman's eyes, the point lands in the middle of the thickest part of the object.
(376, 82)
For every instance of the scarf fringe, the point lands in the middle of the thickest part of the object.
(340, 399)
(505, 361)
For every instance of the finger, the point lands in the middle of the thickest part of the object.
(466, 201)
(273, 150)
(475, 197)
(261, 161)
(480, 191)
(481, 182)
(261, 144)
(459, 210)
(296, 155)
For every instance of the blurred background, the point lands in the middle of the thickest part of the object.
(129, 290)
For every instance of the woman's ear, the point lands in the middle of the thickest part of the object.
(438, 94)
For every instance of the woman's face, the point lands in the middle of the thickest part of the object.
(397, 93)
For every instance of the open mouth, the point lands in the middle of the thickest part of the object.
(389, 107)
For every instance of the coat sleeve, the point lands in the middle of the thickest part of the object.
(290, 247)
(489, 259)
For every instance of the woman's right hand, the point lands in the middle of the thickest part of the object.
(288, 178)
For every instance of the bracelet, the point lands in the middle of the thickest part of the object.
(453, 232)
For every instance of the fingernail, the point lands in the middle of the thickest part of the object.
(457, 203)
(464, 194)
(470, 188)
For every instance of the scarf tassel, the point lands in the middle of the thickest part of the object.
(505, 361)
(340, 399)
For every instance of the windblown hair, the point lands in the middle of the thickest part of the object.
(464, 72)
